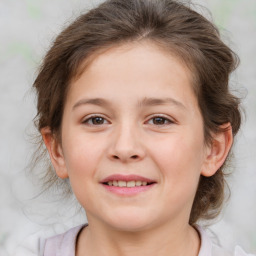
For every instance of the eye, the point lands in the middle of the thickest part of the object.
(159, 120)
(95, 120)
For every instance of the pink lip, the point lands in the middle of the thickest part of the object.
(127, 191)
(126, 178)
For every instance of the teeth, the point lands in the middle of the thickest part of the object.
(121, 183)
(128, 184)
(138, 183)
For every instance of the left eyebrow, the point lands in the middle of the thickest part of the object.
(159, 101)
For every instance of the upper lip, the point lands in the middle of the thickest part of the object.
(126, 178)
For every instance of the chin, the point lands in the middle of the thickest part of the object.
(130, 221)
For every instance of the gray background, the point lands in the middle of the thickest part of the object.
(26, 30)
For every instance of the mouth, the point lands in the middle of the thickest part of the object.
(127, 184)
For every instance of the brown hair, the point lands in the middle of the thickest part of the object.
(169, 24)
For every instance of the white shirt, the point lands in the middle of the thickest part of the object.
(64, 245)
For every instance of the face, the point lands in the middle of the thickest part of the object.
(132, 139)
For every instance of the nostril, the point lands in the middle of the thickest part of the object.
(131, 157)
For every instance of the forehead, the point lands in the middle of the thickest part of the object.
(143, 68)
(145, 49)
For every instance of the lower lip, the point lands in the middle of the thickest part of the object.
(125, 191)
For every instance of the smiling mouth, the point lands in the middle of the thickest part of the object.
(128, 184)
(127, 181)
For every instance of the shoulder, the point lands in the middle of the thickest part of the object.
(240, 252)
(36, 245)
(28, 247)
(208, 248)
(62, 244)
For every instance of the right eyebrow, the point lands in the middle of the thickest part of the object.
(93, 101)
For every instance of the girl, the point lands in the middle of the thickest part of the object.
(135, 111)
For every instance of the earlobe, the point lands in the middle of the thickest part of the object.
(55, 152)
(218, 150)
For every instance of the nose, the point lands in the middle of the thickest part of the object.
(126, 145)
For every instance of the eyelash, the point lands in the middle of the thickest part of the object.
(86, 121)
(169, 121)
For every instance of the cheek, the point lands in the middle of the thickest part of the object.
(176, 159)
(82, 154)
(179, 156)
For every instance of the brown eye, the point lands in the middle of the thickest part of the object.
(96, 120)
(158, 120)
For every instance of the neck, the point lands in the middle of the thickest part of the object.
(180, 240)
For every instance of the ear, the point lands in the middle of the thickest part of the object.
(55, 151)
(218, 151)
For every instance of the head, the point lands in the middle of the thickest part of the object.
(165, 26)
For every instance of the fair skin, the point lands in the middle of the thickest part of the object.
(133, 114)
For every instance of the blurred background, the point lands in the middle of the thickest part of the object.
(27, 28)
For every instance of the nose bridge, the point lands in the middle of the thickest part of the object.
(126, 142)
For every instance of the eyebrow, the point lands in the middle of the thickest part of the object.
(160, 101)
(146, 102)
(93, 101)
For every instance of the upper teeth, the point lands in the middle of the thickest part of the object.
(129, 184)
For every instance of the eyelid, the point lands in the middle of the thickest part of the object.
(168, 118)
(88, 117)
